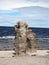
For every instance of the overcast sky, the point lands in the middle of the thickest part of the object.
(9, 4)
(10, 13)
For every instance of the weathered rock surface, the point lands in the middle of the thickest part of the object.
(24, 39)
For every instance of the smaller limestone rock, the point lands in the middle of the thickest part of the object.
(31, 41)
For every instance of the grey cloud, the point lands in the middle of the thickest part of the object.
(38, 0)
(26, 0)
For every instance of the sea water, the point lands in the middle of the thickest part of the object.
(7, 35)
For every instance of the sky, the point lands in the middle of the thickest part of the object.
(33, 12)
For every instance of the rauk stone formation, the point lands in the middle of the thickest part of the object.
(24, 39)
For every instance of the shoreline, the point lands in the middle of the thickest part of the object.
(9, 53)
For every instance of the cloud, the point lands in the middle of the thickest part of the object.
(39, 0)
(34, 16)
(34, 12)
(10, 4)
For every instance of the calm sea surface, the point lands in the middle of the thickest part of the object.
(42, 38)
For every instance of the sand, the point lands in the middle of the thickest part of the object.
(41, 58)
(10, 53)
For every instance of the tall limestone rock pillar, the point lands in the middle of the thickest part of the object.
(24, 39)
(20, 38)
